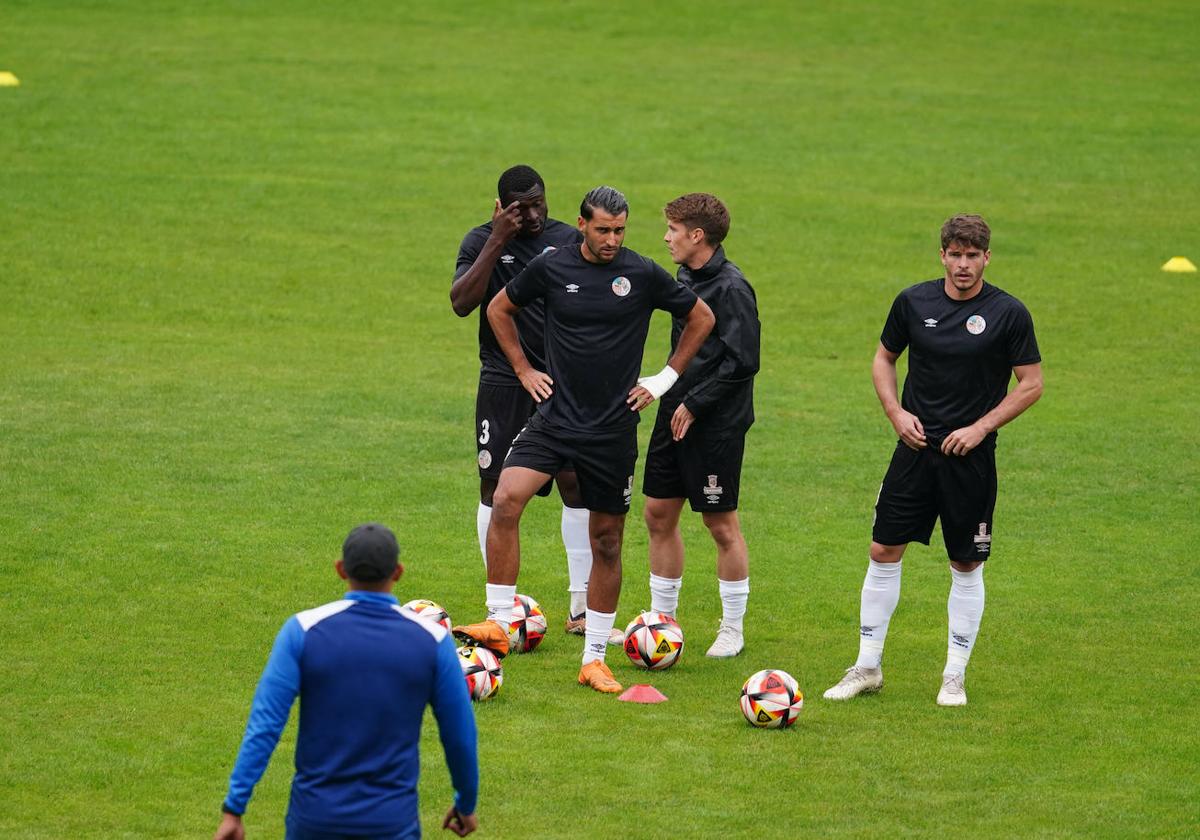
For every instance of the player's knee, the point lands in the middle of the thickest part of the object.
(886, 553)
(660, 519)
(725, 530)
(606, 544)
(506, 507)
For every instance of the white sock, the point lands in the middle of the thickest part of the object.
(500, 602)
(965, 608)
(599, 625)
(483, 518)
(579, 555)
(734, 594)
(880, 594)
(664, 594)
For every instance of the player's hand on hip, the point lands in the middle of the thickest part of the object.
(961, 441)
(639, 398)
(459, 824)
(537, 383)
(506, 221)
(681, 421)
(909, 428)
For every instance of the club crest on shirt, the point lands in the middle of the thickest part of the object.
(976, 324)
(621, 286)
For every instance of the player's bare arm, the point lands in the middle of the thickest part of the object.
(696, 327)
(1026, 393)
(908, 426)
(502, 315)
(468, 289)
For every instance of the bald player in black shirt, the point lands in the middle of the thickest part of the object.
(491, 255)
(598, 301)
(966, 340)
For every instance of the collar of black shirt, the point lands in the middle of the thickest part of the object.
(709, 270)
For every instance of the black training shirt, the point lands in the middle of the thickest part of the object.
(718, 384)
(494, 368)
(961, 353)
(597, 318)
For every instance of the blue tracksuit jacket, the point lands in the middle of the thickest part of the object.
(365, 669)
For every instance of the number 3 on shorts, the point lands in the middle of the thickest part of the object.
(485, 433)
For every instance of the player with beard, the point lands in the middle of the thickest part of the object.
(491, 255)
(598, 300)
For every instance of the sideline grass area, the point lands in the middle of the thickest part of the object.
(227, 235)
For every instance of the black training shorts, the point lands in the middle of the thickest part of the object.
(921, 486)
(603, 463)
(500, 412)
(704, 469)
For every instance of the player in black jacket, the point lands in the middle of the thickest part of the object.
(966, 339)
(699, 435)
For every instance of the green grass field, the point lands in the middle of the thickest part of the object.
(227, 232)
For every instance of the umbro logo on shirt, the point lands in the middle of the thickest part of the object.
(931, 322)
(572, 288)
(508, 259)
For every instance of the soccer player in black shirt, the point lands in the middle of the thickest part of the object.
(491, 255)
(598, 301)
(699, 435)
(966, 339)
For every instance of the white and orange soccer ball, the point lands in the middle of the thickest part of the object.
(771, 699)
(528, 625)
(653, 641)
(431, 610)
(482, 671)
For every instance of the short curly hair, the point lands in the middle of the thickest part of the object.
(701, 210)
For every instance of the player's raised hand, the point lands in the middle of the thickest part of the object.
(909, 428)
(681, 421)
(506, 221)
(537, 383)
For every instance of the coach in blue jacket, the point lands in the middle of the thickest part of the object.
(365, 668)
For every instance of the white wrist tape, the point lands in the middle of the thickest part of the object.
(661, 382)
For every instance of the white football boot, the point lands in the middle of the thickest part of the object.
(857, 681)
(729, 642)
(952, 693)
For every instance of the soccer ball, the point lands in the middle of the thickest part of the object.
(431, 610)
(528, 625)
(771, 699)
(482, 671)
(654, 640)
